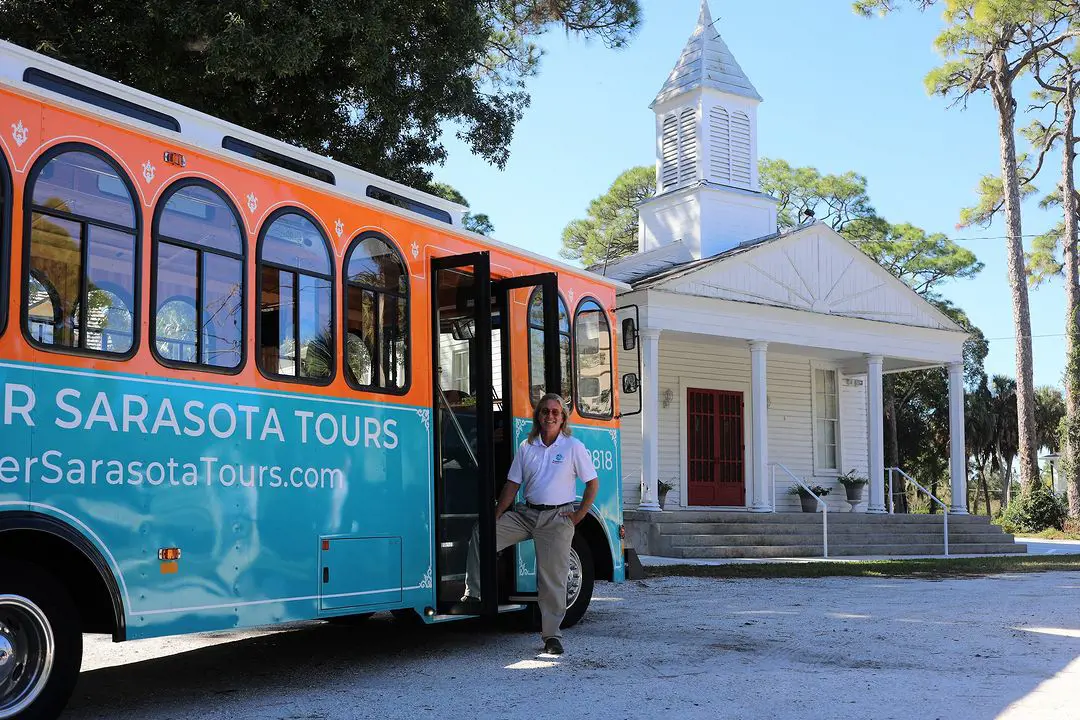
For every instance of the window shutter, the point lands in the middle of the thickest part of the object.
(669, 153)
(720, 145)
(687, 147)
(740, 150)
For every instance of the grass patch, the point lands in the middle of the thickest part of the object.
(1051, 534)
(926, 568)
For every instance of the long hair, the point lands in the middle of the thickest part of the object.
(565, 429)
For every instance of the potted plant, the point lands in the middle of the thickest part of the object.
(663, 487)
(809, 502)
(853, 485)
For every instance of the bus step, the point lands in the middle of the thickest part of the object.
(452, 577)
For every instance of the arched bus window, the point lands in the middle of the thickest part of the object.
(592, 340)
(536, 348)
(198, 285)
(80, 283)
(376, 316)
(5, 240)
(295, 333)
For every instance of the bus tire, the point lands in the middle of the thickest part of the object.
(579, 585)
(40, 643)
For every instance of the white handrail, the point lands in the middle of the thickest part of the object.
(821, 503)
(944, 507)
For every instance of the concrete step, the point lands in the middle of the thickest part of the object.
(720, 517)
(853, 538)
(773, 551)
(806, 528)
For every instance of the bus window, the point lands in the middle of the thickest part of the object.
(592, 338)
(5, 239)
(296, 332)
(81, 251)
(536, 348)
(198, 279)
(376, 315)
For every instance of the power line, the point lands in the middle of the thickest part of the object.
(1029, 337)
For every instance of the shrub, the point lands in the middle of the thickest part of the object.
(1035, 511)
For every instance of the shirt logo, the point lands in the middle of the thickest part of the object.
(558, 459)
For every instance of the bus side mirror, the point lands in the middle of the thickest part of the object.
(629, 383)
(629, 334)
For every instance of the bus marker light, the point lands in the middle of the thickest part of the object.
(171, 553)
(325, 544)
(175, 158)
(429, 611)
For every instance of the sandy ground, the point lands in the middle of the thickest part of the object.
(1001, 647)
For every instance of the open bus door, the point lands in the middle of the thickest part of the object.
(473, 415)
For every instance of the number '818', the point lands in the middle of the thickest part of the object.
(603, 459)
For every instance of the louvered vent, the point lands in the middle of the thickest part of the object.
(740, 149)
(669, 158)
(687, 147)
(720, 145)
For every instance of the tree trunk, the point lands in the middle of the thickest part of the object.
(1072, 305)
(1025, 386)
(899, 488)
(985, 484)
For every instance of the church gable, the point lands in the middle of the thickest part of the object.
(815, 270)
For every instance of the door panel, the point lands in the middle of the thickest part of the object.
(716, 466)
(462, 358)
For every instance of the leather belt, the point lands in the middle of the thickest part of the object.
(536, 506)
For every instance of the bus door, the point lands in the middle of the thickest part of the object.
(463, 411)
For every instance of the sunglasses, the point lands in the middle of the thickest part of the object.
(550, 411)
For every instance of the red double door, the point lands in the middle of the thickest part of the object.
(715, 448)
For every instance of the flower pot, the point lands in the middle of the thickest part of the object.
(854, 494)
(661, 497)
(809, 503)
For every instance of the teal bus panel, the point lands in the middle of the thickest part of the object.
(242, 481)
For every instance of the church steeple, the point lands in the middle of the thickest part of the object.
(706, 152)
(706, 61)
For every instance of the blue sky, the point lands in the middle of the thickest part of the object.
(841, 93)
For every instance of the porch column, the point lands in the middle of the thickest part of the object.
(957, 446)
(875, 423)
(759, 401)
(650, 417)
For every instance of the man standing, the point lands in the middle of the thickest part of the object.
(546, 465)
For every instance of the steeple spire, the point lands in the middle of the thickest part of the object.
(706, 61)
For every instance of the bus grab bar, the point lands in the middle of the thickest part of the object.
(457, 425)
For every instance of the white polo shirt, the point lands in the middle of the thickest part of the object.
(546, 472)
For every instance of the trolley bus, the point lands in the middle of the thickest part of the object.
(244, 384)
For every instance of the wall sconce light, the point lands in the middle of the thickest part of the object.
(666, 397)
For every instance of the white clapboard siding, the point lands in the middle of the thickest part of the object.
(682, 363)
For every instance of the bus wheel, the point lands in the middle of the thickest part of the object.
(579, 585)
(40, 644)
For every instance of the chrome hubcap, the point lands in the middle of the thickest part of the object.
(27, 646)
(573, 580)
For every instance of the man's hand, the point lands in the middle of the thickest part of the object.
(577, 516)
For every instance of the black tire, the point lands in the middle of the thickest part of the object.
(36, 611)
(576, 610)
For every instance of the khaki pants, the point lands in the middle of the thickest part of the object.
(552, 534)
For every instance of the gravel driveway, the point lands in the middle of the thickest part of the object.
(1006, 646)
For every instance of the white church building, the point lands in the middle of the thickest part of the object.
(763, 352)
